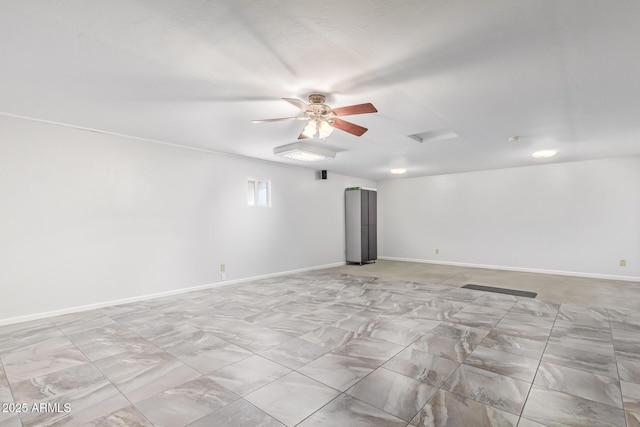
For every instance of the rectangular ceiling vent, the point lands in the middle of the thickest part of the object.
(433, 135)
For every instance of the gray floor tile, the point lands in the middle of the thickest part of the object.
(249, 374)
(583, 384)
(629, 369)
(125, 417)
(489, 388)
(506, 342)
(347, 411)
(422, 366)
(630, 396)
(292, 398)
(295, 353)
(447, 409)
(633, 419)
(581, 359)
(338, 371)
(238, 414)
(185, 403)
(349, 325)
(553, 408)
(510, 365)
(393, 393)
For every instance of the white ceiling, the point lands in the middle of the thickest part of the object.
(561, 74)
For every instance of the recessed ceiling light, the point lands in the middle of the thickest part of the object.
(544, 154)
(398, 171)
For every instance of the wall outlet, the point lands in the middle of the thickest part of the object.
(623, 263)
(222, 267)
(437, 251)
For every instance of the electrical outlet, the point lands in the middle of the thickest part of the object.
(623, 263)
(437, 251)
(222, 267)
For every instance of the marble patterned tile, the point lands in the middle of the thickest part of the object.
(489, 388)
(185, 403)
(10, 420)
(41, 358)
(495, 300)
(587, 316)
(57, 384)
(586, 344)
(125, 417)
(19, 335)
(393, 393)
(533, 307)
(295, 353)
(85, 404)
(372, 350)
(347, 411)
(440, 312)
(338, 371)
(583, 384)
(5, 391)
(78, 322)
(472, 335)
(518, 367)
(249, 374)
(626, 343)
(528, 423)
(402, 331)
(450, 348)
(629, 369)
(580, 359)
(529, 327)
(108, 341)
(630, 396)
(422, 366)
(238, 414)
(554, 408)
(514, 344)
(329, 337)
(447, 409)
(633, 419)
(141, 375)
(292, 398)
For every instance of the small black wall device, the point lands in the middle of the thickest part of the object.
(323, 174)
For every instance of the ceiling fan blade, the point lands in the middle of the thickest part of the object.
(355, 109)
(282, 119)
(298, 103)
(349, 127)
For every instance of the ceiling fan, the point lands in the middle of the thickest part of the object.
(322, 119)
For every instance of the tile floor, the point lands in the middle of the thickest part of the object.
(326, 348)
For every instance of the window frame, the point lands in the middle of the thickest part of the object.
(255, 183)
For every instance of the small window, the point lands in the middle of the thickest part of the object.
(259, 192)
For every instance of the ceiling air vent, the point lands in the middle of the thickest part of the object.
(433, 135)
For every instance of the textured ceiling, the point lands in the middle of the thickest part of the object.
(560, 74)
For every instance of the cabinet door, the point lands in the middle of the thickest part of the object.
(373, 243)
(373, 208)
(364, 206)
(365, 243)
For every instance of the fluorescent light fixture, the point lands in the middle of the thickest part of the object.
(398, 171)
(304, 152)
(544, 154)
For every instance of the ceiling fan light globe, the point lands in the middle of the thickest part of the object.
(310, 129)
(324, 130)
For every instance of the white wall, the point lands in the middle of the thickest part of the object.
(87, 218)
(578, 217)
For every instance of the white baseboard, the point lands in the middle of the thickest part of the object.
(78, 309)
(526, 270)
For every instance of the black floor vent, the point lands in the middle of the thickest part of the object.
(514, 292)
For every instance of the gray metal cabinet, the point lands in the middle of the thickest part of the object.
(361, 225)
